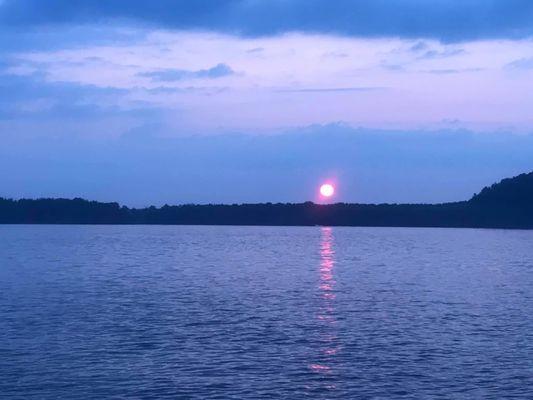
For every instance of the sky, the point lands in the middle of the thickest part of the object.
(174, 101)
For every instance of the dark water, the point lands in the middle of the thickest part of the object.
(244, 313)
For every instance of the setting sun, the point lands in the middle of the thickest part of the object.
(327, 190)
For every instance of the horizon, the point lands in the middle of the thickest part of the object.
(320, 202)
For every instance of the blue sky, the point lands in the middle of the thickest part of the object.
(249, 100)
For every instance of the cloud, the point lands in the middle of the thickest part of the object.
(32, 96)
(255, 50)
(392, 67)
(380, 83)
(451, 71)
(436, 54)
(447, 20)
(169, 75)
(523, 63)
(419, 46)
(326, 90)
(49, 37)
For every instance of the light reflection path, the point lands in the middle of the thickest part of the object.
(326, 315)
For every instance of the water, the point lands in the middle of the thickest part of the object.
(93, 312)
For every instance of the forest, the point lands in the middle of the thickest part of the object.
(507, 204)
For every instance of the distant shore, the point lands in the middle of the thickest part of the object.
(507, 204)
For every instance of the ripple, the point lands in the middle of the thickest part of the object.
(265, 312)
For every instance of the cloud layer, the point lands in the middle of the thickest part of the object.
(169, 75)
(447, 20)
(212, 83)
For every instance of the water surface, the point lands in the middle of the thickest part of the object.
(265, 312)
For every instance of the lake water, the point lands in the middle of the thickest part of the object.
(93, 312)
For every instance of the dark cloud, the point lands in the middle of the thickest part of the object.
(31, 97)
(169, 75)
(447, 20)
(30, 36)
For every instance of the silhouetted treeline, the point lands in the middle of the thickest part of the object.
(508, 204)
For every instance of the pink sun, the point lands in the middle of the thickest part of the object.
(327, 190)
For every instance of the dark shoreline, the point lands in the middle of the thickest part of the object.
(505, 205)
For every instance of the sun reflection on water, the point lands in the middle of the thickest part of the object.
(328, 346)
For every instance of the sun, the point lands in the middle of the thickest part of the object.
(327, 190)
